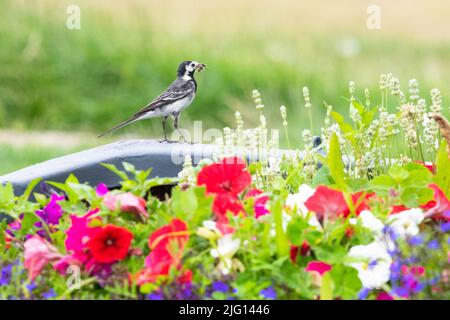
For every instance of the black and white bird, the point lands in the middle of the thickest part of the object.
(177, 97)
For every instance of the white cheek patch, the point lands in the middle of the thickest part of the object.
(190, 68)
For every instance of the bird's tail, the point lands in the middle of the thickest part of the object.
(120, 125)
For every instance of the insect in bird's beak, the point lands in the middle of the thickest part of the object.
(200, 67)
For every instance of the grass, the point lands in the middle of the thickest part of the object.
(126, 53)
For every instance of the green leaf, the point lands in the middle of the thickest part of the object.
(129, 167)
(322, 177)
(28, 221)
(82, 191)
(382, 183)
(327, 287)
(335, 163)
(113, 168)
(281, 240)
(295, 231)
(346, 281)
(30, 188)
(7, 196)
(398, 173)
(184, 203)
(329, 254)
(442, 176)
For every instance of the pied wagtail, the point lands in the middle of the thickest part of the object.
(171, 102)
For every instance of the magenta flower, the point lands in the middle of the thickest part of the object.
(101, 190)
(52, 212)
(318, 266)
(39, 253)
(260, 202)
(79, 232)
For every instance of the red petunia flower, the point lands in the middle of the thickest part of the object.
(229, 175)
(442, 204)
(294, 250)
(327, 202)
(167, 245)
(174, 233)
(363, 202)
(224, 203)
(398, 209)
(110, 244)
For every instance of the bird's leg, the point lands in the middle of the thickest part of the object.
(175, 124)
(164, 127)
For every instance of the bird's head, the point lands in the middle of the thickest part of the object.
(188, 68)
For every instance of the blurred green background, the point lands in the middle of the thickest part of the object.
(81, 82)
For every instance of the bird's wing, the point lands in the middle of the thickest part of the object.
(178, 90)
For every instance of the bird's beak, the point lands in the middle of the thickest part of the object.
(201, 67)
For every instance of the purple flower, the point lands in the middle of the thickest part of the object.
(31, 286)
(101, 190)
(447, 214)
(416, 240)
(363, 293)
(185, 292)
(6, 275)
(52, 212)
(268, 293)
(155, 296)
(400, 291)
(50, 294)
(434, 245)
(220, 286)
(389, 231)
(445, 227)
(372, 264)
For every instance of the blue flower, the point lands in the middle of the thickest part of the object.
(268, 293)
(50, 294)
(362, 295)
(31, 286)
(416, 240)
(445, 227)
(220, 286)
(155, 296)
(6, 275)
(372, 264)
(399, 291)
(434, 245)
(389, 231)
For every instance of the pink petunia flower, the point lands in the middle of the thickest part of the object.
(39, 253)
(128, 203)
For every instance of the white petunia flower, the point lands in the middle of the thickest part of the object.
(297, 201)
(406, 223)
(369, 221)
(372, 262)
(226, 249)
